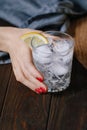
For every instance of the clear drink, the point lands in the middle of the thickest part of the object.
(54, 60)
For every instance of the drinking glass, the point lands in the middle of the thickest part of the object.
(54, 60)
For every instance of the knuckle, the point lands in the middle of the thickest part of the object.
(35, 71)
(27, 74)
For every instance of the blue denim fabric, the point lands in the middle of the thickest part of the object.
(40, 14)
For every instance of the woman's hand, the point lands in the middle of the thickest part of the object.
(21, 58)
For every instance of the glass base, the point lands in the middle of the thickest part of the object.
(50, 90)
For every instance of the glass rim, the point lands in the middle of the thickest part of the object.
(72, 41)
(59, 32)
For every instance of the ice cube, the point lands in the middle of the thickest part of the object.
(67, 58)
(61, 46)
(41, 58)
(45, 49)
(42, 54)
(58, 69)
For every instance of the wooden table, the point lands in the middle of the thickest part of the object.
(22, 109)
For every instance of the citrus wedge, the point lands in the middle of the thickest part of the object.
(35, 37)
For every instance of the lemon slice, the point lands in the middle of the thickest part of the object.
(35, 37)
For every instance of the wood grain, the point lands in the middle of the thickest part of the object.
(5, 72)
(24, 109)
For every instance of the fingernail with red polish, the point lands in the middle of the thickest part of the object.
(37, 91)
(40, 90)
(44, 90)
(40, 79)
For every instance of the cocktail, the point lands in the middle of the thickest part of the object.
(54, 60)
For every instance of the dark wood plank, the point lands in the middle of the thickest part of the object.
(24, 109)
(5, 71)
(69, 108)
